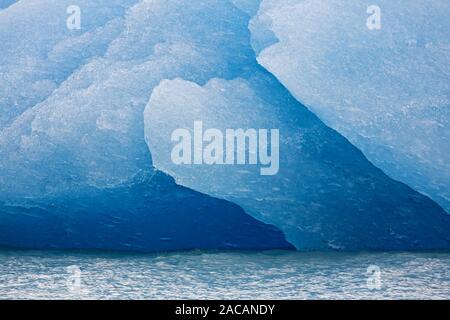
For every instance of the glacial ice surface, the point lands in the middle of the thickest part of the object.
(88, 130)
(73, 149)
(149, 213)
(326, 194)
(387, 90)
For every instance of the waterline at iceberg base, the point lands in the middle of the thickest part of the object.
(87, 115)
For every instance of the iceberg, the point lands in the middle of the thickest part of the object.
(85, 123)
(386, 90)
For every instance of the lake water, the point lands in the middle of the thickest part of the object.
(223, 275)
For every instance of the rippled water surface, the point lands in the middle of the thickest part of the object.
(223, 275)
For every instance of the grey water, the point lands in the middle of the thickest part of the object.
(223, 275)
